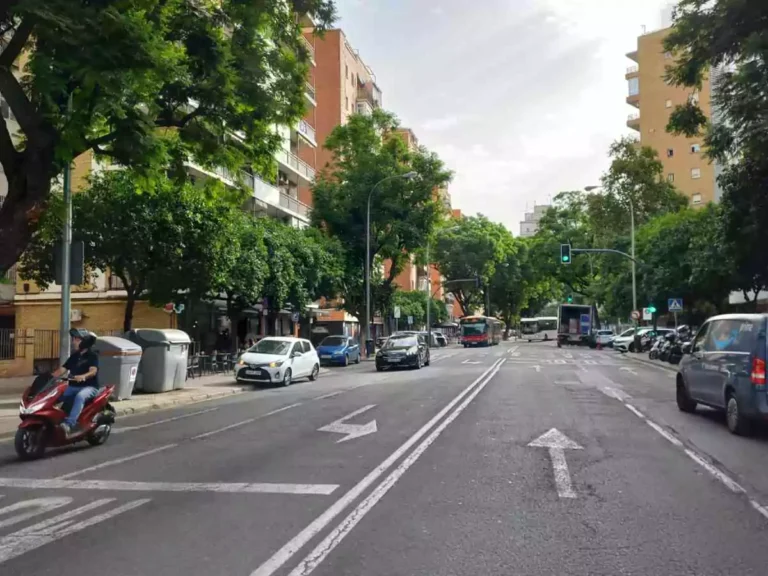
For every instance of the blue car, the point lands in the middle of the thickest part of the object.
(338, 350)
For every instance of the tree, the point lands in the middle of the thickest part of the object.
(368, 153)
(160, 238)
(466, 254)
(728, 40)
(413, 303)
(151, 83)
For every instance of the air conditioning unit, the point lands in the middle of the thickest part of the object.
(75, 315)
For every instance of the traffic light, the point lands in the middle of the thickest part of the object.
(652, 309)
(565, 253)
(569, 299)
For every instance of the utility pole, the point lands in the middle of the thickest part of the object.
(66, 250)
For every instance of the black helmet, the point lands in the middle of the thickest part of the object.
(87, 339)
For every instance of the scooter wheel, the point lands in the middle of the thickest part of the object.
(97, 438)
(30, 443)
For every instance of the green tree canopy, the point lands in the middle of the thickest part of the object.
(367, 154)
(414, 303)
(151, 83)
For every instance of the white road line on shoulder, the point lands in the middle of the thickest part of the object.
(116, 461)
(123, 429)
(333, 539)
(635, 411)
(729, 482)
(288, 550)
(124, 486)
(664, 433)
(762, 509)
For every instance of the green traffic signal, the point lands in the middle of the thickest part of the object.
(565, 253)
(652, 309)
(570, 299)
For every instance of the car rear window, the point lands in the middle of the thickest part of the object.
(732, 336)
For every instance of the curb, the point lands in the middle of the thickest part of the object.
(660, 365)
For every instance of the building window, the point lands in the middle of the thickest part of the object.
(633, 85)
(670, 152)
(668, 104)
(695, 173)
(346, 103)
(696, 198)
(670, 177)
(695, 148)
(346, 71)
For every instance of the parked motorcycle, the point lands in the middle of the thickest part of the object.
(658, 342)
(41, 418)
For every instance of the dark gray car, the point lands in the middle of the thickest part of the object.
(724, 367)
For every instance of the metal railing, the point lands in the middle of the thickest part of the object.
(309, 47)
(294, 205)
(632, 69)
(310, 90)
(11, 344)
(633, 116)
(10, 274)
(297, 164)
(307, 130)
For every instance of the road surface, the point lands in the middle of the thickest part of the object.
(517, 459)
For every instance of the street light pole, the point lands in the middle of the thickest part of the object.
(406, 176)
(634, 272)
(66, 250)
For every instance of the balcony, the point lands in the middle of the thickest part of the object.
(632, 72)
(294, 205)
(277, 203)
(310, 49)
(369, 92)
(310, 93)
(364, 108)
(634, 100)
(307, 132)
(633, 121)
(296, 165)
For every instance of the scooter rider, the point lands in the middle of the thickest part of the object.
(83, 368)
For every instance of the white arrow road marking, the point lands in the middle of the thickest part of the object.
(557, 443)
(351, 430)
(627, 369)
(470, 362)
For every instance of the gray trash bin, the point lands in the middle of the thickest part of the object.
(118, 364)
(164, 362)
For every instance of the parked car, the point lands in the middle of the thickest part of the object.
(724, 367)
(403, 350)
(605, 337)
(338, 350)
(442, 341)
(278, 360)
(625, 341)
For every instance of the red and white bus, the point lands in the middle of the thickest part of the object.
(480, 331)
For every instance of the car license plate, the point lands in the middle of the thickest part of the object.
(252, 372)
(393, 360)
(326, 356)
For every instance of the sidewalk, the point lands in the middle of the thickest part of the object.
(648, 362)
(197, 390)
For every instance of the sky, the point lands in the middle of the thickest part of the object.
(520, 98)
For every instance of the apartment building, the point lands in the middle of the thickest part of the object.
(654, 99)
(530, 223)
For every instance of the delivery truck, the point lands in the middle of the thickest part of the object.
(575, 323)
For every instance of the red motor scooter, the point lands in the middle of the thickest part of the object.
(41, 415)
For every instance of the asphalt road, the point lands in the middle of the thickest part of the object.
(518, 459)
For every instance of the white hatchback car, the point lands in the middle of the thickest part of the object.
(278, 360)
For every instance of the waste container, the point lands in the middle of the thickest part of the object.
(118, 364)
(370, 348)
(164, 361)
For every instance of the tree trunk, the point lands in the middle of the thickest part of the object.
(28, 192)
(233, 312)
(128, 315)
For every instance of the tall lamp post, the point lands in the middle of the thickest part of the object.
(634, 271)
(406, 176)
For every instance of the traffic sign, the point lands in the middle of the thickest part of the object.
(675, 304)
(635, 315)
(410, 320)
(397, 311)
(647, 314)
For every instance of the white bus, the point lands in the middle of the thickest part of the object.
(541, 328)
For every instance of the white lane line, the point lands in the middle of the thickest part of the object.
(333, 539)
(164, 421)
(125, 486)
(115, 462)
(664, 433)
(53, 529)
(762, 509)
(297, 542)
(330, 395)
(635, 411)
(729, 482)
(244, 422)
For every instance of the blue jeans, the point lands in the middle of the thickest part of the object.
(81, 395)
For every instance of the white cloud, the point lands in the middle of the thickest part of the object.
(520, 98)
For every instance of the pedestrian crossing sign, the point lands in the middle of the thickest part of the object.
(675, 304)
